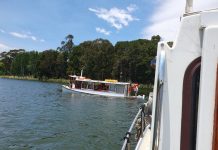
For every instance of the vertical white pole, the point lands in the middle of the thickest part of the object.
(189, 6)
(81, 74)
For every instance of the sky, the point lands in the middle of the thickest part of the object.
(43, 24)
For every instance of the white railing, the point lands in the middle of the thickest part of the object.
(126, 143)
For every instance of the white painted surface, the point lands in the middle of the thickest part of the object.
(144, 143)
(189, 6)
(207, 88)
(186, 49)
(198, 36)
(92, 92)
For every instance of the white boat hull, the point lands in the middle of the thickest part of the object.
(90, 91)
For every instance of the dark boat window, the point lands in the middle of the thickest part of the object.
(190, 98)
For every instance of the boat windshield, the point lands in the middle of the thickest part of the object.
(159, 98)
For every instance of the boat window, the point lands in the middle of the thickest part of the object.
(190, 98)
(116, 88)
(158, 107)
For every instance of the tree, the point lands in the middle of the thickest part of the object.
(20, 64)
(47, 64)
(61, 66)
(97, 59)
(126, 61)
(69, 43)
(69, 37)
(7, 65)
(58, 48)
(2, 68)
(33, 62)
(74, 60)
(133, 60)
(62, 46)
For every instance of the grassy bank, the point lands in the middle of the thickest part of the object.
(31, 78)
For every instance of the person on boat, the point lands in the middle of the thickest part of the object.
(135, 88)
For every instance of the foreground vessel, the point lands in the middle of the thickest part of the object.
(185, 96)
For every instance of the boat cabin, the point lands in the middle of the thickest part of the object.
(109, 86)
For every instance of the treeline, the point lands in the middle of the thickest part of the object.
(99, 59)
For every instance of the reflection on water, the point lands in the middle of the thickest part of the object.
(37, 115)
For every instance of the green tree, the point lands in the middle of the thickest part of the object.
(2, 68)
(33, 62)
(63, 47)
(7, 65)
(19, 64)
(133, 60)
(126, 61)
(97, 59)
(69, 43)
(74, 63)
(61, 66)
(47, 64)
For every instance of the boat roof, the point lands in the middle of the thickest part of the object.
(83, 79)
(73, 76)
(99, 81)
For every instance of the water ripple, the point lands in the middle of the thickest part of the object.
(37, 115)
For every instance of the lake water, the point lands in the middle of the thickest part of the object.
(37, 115)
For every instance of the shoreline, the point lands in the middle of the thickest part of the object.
(31, 78)
(144, 89)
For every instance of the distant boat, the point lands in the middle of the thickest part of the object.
(109, 88)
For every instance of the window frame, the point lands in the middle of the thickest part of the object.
(190, 106)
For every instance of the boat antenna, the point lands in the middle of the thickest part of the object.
(189, 6)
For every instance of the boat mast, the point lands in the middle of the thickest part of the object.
(81, 73)
(189, 6)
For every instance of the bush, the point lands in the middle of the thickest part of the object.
(145, 89)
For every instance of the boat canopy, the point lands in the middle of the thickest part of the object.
(83, 79)
(73, 76)
(106, 82)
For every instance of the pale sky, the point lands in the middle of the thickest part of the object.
(43, 24)
(165, 19)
